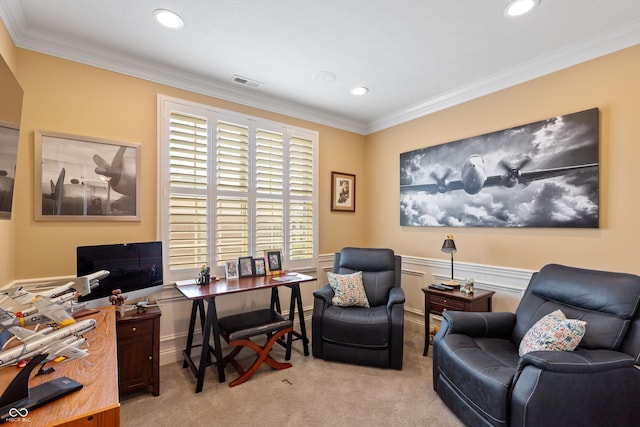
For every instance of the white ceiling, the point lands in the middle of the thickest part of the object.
(415, 56)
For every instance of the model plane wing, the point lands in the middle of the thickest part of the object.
(22, 334)
(6, 318)
(53, 311)
(69, 351)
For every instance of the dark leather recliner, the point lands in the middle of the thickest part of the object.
(365, 336)
(477, 371)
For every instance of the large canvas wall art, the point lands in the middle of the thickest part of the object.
(543, 174)
(9, 137)
(83, 178)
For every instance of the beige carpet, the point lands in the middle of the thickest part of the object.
(312, 393)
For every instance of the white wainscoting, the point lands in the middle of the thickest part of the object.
(508, 283)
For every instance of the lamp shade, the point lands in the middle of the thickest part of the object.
(449, 246)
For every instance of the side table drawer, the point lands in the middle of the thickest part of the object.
(438, 304)
(130, 329)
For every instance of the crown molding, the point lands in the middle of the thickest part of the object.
(161, 74)
(595, 46)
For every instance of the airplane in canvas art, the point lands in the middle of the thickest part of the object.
(89, 197)
(473, 176)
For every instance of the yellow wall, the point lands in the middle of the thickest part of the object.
(610, 83)
(63, 96)
(7, 227)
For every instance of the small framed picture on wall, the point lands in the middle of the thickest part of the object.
(343, 192)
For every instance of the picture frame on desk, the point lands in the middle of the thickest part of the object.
(259, 268)
(273, 261)
(245, 266)
(231, 269)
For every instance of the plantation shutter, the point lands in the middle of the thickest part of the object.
(301, 198)
(232, 186)
(269, 172)
(188, 246)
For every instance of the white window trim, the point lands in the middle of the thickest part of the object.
(166, 104)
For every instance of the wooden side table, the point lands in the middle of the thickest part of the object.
(436, 301)
(139, 350)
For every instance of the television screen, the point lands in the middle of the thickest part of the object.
(132, 267)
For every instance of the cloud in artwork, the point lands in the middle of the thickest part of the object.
(570, 200)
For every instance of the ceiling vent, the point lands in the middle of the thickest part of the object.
(246, 82)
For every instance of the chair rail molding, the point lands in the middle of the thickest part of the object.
(417, 272)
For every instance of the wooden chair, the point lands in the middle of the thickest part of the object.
(239, 328)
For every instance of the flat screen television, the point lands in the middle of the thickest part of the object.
(134, 268)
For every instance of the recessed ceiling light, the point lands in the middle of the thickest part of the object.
(168, 19)
(520, 7)
(324, 76)
(360, 90)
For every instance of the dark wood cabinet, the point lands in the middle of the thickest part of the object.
(436, 301)
(139, 350)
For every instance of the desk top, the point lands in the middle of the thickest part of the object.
(230, 286)
(98, 373)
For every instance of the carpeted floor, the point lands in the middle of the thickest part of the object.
(311, 393)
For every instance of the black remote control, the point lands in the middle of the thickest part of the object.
(441, 287)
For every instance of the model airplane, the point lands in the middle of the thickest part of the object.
(63, 342)
(141, 306)
(56, 304)
(474, 177)
(43, 311)
(82, 284)
(85, 283)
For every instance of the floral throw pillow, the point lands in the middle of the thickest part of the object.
(348, 290)
(553, 332)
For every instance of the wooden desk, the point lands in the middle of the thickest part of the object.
(96, 404)
(198, 294)
(436, 301)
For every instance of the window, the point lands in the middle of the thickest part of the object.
(234, 186)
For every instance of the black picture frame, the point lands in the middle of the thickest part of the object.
(259, 268)
(245, 266)
(273, 260)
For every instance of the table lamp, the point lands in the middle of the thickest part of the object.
(449, 247)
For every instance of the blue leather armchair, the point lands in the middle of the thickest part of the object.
(479, 375)
(370, 336)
